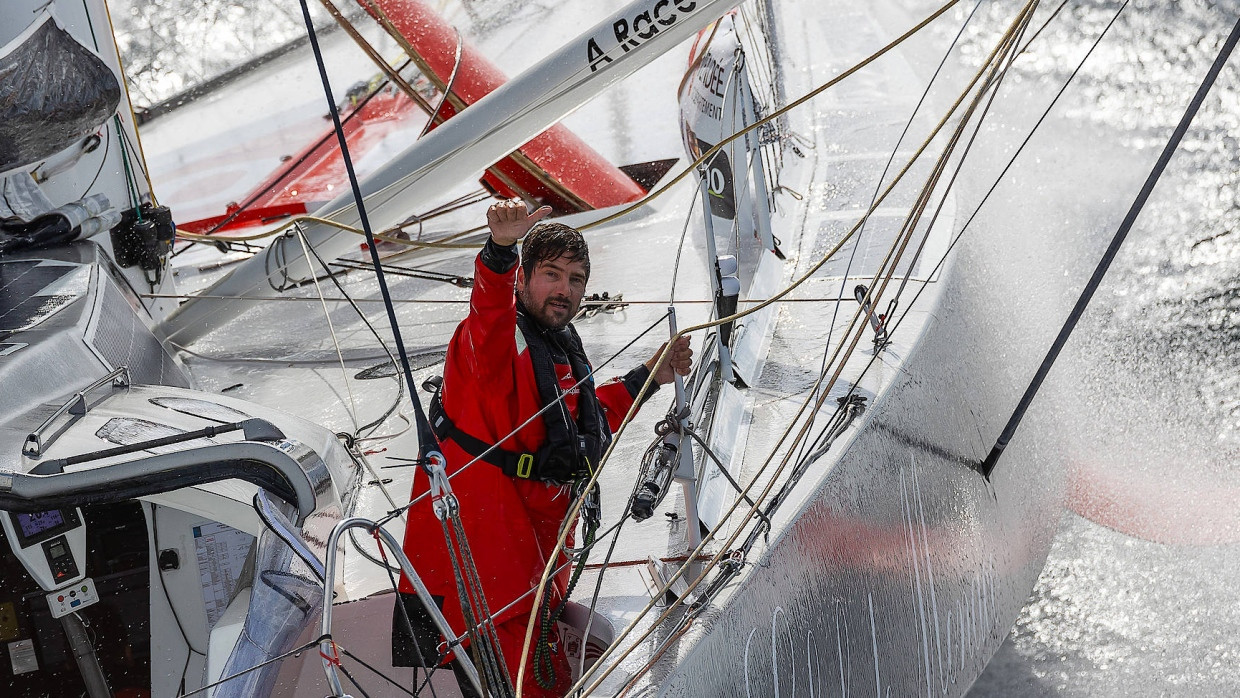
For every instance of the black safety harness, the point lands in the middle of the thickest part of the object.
(573, 447)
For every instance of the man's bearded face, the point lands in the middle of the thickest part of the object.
(552, 293)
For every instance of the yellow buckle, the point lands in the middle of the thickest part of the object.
(525, 465)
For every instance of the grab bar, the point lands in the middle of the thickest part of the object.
(75, 406)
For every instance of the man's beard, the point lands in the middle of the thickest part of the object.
(543, 313)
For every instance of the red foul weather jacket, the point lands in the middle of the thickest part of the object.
(489, 389)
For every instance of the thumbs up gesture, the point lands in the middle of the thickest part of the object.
(509, 221)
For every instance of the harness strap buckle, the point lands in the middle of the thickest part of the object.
(525, 466)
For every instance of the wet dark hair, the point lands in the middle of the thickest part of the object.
(548, 242)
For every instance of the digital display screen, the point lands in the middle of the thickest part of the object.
(39, 526)
(34, 524)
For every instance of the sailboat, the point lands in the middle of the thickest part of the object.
(205, 462)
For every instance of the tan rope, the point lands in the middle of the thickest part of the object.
(1019, 23)
(1022, 19)
(196, 237)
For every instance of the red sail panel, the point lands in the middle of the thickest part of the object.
(316, 174)
(556, 167)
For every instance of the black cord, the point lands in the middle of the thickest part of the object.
(160, 573)
(378, 673)
(353, 681)
(1112, 250)
(273, 660)
(426, 436)
(107, 146)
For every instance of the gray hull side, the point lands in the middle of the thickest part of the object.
(905, 569)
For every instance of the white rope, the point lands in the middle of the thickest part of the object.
(331, 328)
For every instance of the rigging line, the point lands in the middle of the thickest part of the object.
(876, 290)
(997, 71)
(891, 261)
(264, 360)
(393, 74)
(895, 325)
(393, 435)
(960, 165)
(999, 179)
(409, 272)
(891, 159)
(381, 236)
(697, 59)
(353, 681)
(684, 232)
(481, 646)
(400, 386)
(1112, 250)
(374, 671)
(1011, 30)
(1005, 42)
(447, 90)
(487, 623)
(331, 327)
(426, 437)
(723, 470)
(777, 114)
(273, 660)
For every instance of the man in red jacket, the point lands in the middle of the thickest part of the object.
(511, 357)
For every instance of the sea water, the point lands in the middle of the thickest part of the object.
(1139, 594)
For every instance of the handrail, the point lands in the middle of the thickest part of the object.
(76, 406)
(327, 647)
(288, 469)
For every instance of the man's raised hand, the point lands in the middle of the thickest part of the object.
(509, 221)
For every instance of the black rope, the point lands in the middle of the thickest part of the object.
(426, 437)
(375, 671)
(243, 672)
(988, 465)
(353, 681)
